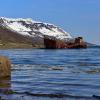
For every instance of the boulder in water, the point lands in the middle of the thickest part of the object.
(5, 67)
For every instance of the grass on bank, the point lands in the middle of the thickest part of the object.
(6, 45)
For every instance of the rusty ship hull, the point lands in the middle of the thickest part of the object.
(59, 44)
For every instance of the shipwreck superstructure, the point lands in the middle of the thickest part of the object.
(53, 43)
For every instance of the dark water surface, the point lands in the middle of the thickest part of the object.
(62, 74)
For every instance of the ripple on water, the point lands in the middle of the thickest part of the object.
(71, 73)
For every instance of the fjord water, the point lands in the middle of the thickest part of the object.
(68, 72)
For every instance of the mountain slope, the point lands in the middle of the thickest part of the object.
(10, 36)
(27, 31)
(31, 28)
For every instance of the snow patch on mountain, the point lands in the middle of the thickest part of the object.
(31, 28)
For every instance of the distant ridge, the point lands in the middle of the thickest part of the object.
(28, 27)
(90, 45)
(27, 31)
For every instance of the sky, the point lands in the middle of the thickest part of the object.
(78, 17)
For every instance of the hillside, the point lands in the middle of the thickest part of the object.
(28, 32)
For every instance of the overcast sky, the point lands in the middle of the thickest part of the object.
(78, 17)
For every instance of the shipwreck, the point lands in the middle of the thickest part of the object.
(54, 43)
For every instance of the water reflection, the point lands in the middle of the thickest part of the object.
(67, 72)
(5, 83)
(93, 71)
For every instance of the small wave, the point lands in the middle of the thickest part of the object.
(52, 95)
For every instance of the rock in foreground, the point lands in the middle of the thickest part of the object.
(5, 67)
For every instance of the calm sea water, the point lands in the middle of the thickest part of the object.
(72, 73)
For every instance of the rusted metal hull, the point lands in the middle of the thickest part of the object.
(59, 44)
(77, 46)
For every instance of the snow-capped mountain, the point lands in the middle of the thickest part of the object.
(30, 28)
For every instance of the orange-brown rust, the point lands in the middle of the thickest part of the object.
(5, 67)
(59, 44)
